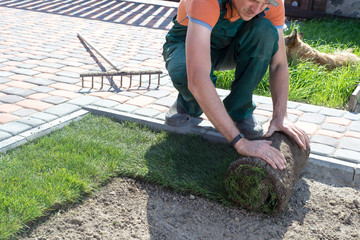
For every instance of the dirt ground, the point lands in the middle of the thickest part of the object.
(130, 209)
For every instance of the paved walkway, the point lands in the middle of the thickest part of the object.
(40, 88)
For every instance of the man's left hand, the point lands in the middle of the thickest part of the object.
(286, 126)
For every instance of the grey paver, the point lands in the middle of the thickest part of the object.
(262, 119)
(147, 112)
(5, 74)
(84, 100)
(62, 109)
(39, 81)
(11, 99)
(333, 142)
(64, 79)
(14, 127)
(67, 74)
(71, 64)
(262, 100)
(4, 80)
(157, 93)
(266, 107)
(334, 127)
(313, 118)
(23, 112)
(37, 57)
(293, 105)
(126, 108)
(44, 116)
(43, 89)
(332, 112)
(18, 59)
(23, 71)
(292, 117)
(352, 116)
(4, 135)
(350, 143)
(55, 100)
(33, 122)
(105, 103)
(309, 108)
(322, 149)
(166, 101)
(28, 66)
(128, 94)
(355, 126)
(18, 91)
(348, 155)
(51, 65)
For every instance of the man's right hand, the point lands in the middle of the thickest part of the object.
(263, 150)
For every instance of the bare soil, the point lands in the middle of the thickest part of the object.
(131, 209)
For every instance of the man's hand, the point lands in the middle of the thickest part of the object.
(263, 150)
(284, 125)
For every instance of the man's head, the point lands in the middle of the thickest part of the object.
(248, 9)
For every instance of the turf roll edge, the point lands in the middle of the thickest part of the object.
(253, 184)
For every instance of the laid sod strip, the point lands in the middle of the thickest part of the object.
(310, 83)
(61, 168)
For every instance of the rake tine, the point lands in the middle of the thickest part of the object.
(82, 82)
(92, 82)
(158, 81)
(130, 80)
(121, 79)
(102, 82)
(140, 81)
(111, 81)
(149, 80)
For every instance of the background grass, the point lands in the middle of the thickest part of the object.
(310, 83)
(61, 168)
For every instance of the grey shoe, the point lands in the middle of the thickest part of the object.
(176, 116)
(251, 128)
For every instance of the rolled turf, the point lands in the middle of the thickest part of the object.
(253, 184)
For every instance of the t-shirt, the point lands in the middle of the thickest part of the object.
(207, 13)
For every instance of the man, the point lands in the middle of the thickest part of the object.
(246, 35)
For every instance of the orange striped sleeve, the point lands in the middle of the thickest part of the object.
(276, 15)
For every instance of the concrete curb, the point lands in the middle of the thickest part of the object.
(41, 130)
(340, 171)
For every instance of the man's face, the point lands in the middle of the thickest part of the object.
(248, 9)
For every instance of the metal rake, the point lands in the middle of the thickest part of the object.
(116, 72)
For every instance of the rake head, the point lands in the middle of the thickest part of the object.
(125, 77)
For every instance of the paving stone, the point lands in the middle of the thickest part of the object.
(56, 56)
(33, 122)
(262, 119)
(332, 112)
(23, 112)
(37, 57)
(220, 92)
(51, 65)
(67, 74)
(28, 66)
(166, 101)
(126, 108)
(350, 143)
(43, 89)
(5, 74)
(147, 112)
(322, 149)
(4, 80)
(11, 99)
(14, 128)
(64, 79)
(27, 72)
(330, 141)
(292, 117)
(62, 109)
(128, 94)
(313, 118)
(18, 91)
(39, 81)
(348, 155)
(309, 108)
(71, 64)
(46, 117)
(157, 93)
(355, 126)
(55, 100)
(84, 100)
(4, 135)
(334, 127)
(352, 116)
(18, 59)
(266, 107)
(105, 103)
(293, 105)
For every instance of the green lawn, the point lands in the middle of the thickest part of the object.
(310, 83)
(61, 168)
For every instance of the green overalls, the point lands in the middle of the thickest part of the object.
(245, 45)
